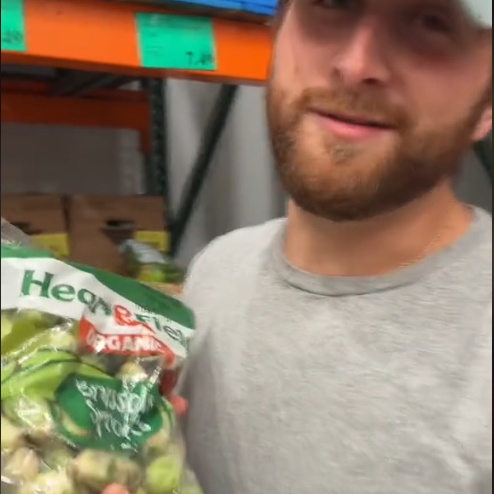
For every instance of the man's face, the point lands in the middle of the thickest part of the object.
(372, 103)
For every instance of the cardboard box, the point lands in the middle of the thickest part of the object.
(99, 224)
(41, 217)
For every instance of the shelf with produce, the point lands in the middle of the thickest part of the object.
(96, 47)
(119, 38)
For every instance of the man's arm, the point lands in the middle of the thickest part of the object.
(475, 412)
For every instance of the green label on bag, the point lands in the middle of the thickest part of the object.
(176, 42)
(109, 414)
(13, 26)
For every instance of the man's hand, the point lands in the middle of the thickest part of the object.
(115, 489)
(179, 405)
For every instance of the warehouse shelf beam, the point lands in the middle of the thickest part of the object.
(101, 36)
(157, 159)
(111, 112)
(102, 81)
(76, 83)
(43, 88)
(195, 182)
(70, 82)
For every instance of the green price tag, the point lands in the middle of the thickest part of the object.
(176, 42)
(13, 26)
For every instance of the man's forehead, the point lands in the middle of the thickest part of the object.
(479, 11)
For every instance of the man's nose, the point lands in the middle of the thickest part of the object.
(363, 58)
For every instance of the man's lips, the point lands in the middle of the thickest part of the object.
(359, 120)
(354, 127)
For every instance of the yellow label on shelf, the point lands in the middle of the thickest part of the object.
(158, 240)
(56, 243)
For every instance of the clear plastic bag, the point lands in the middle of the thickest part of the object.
(89, 362)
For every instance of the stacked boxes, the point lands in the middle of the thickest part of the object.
(88, 229)
(99, 225)
(41, 217)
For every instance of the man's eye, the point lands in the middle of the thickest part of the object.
(434, 23)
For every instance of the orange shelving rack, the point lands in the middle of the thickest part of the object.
(94, 49)
(98, 35)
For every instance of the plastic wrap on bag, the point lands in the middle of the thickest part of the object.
(84, 357)
(10, 235)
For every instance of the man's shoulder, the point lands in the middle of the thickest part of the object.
(236, 247)
(253, 237)
(228, 253)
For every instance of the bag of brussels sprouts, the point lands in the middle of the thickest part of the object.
(83, 356)
(149, 265)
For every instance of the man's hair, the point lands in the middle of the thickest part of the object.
(282, 4)
(280, 13)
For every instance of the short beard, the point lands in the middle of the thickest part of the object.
(328, 184)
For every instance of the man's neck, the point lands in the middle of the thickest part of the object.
(379, 245)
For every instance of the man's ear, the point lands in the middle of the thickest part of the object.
(484, 125)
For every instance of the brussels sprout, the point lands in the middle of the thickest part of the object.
(22, 465)
(93, 469)
(62, 340)
(93, 360)
(36, 318)
(57, 457)
(150, 364)
(132, 371)
(126, 472)
(97, 469)
(12, 436)
(74, 327)
(163, 475)
(49, 483)
(33, 414)
(82, 489)
(157, 445)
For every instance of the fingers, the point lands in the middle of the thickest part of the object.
(115, 489)
(179, 405)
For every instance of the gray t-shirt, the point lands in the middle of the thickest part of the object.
(300, 384)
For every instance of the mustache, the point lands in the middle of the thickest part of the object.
(369, 105)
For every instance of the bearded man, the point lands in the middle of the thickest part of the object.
(347, 349)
